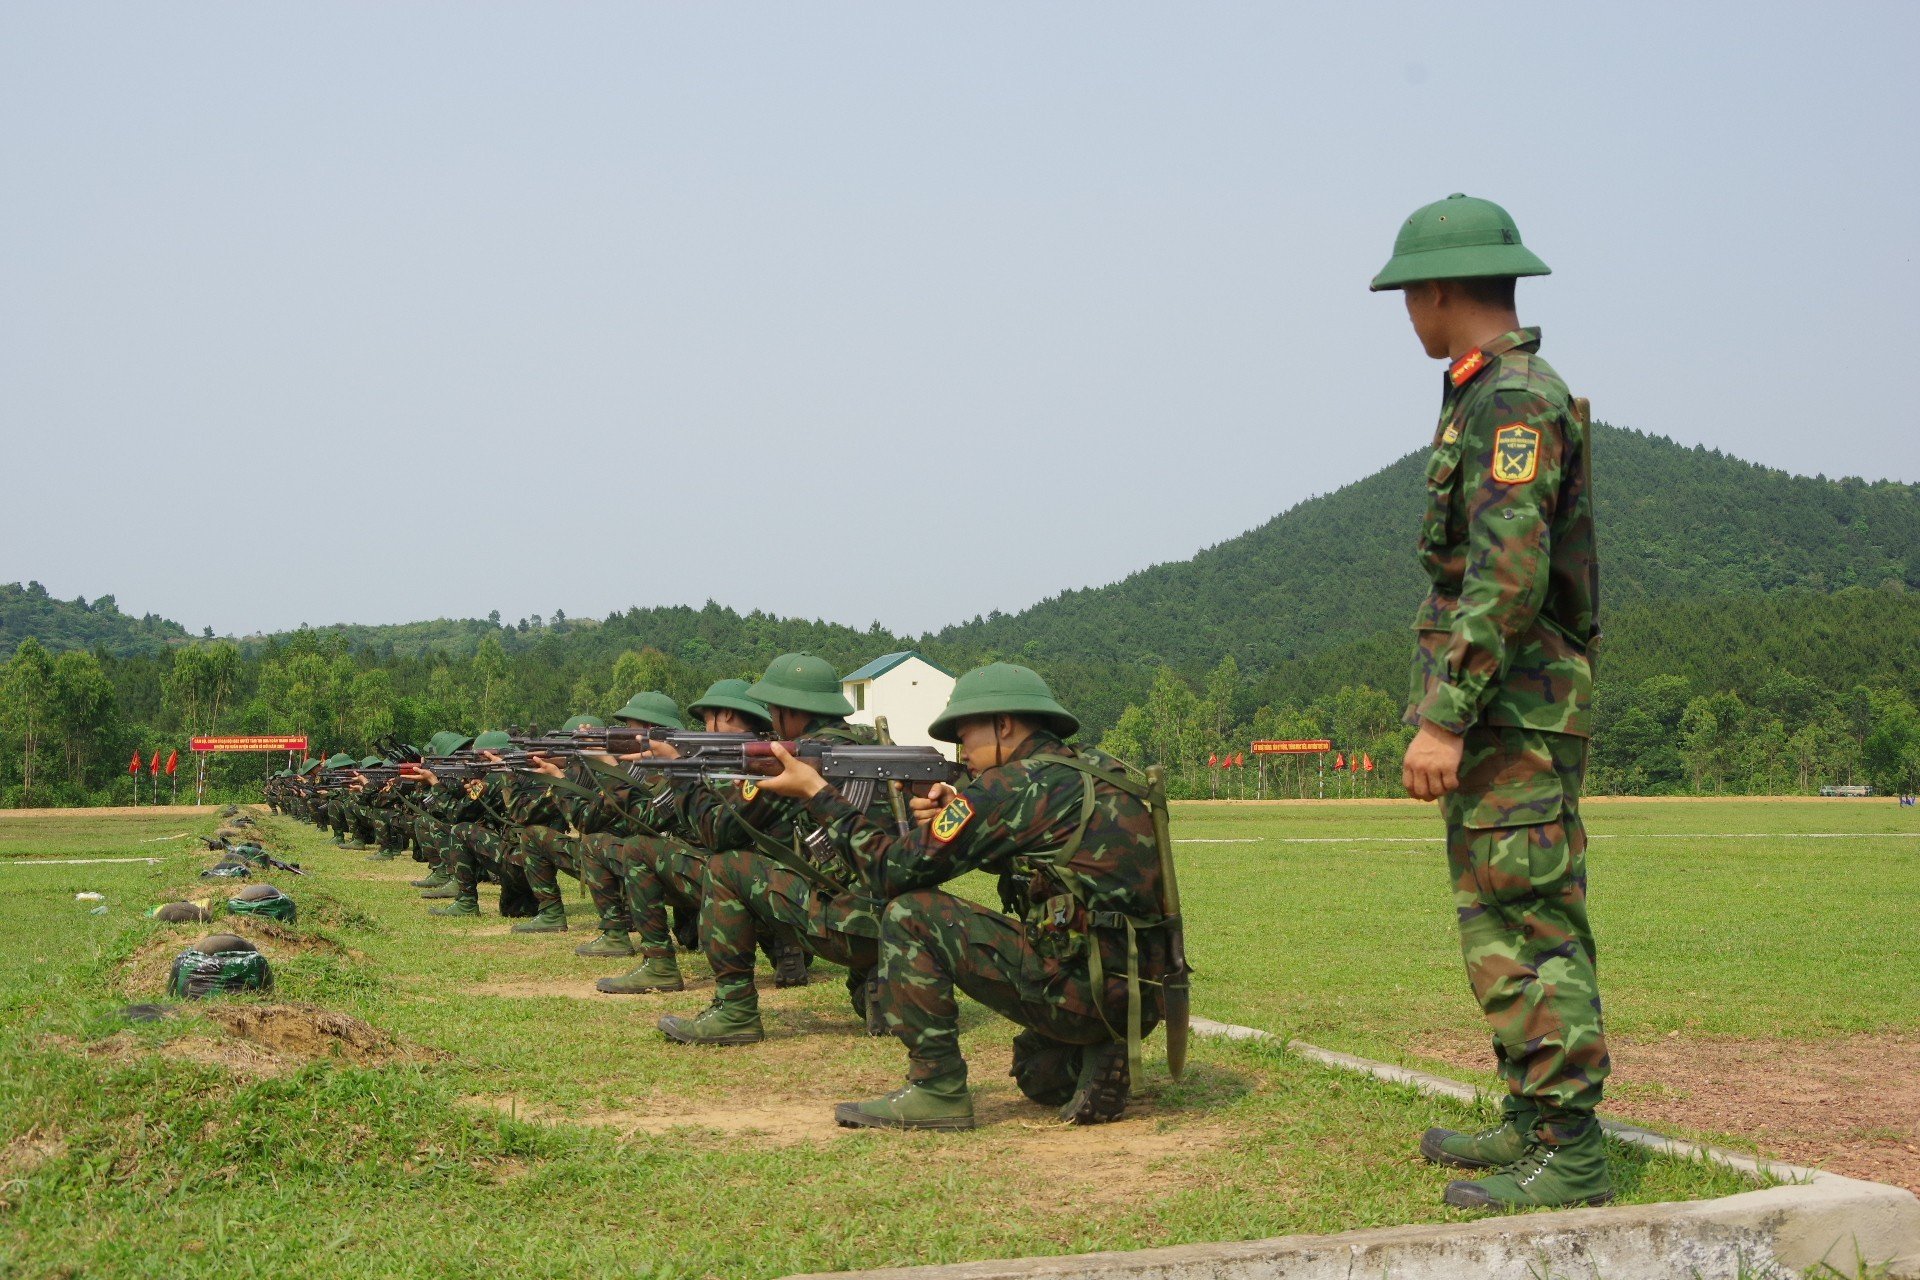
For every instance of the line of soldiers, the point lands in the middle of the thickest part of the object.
(831, 846)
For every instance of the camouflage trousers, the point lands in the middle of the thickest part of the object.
(1516, 850)
(601, 874)
(541, 854)
(745, 896)
(659, 872)
(430, 840)
(477, 853)
(932, 943)
(337, 818)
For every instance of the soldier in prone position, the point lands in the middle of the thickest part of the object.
(1078, 957)
(1502, 691)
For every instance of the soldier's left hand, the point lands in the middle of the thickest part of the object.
(1432, 765)
(796, 779)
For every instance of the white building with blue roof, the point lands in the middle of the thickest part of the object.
(905, 688)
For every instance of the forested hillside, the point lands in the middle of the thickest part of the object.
(1760, 636)
(1675, 523)
(75, 624)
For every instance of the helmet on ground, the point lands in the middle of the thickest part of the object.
(1456, 238)
(1001, 688)
(731, 695)
(802, 682)
(652, 708)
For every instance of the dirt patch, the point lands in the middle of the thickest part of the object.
(23, 1157)
(1117, 1163)
(302, 1031)
(1850, 1105)
(259, 1040)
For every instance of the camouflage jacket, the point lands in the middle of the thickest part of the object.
(1507, 545)
(725, 816)
(1017, 821)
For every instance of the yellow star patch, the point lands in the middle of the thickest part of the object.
(952, 819)
(1516, 453)
(748, 790)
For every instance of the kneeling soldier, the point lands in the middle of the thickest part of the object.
(1072, 836)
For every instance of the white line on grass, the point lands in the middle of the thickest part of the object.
(65, 862)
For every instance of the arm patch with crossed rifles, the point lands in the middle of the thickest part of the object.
(1516, 453)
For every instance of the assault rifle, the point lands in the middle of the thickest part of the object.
(916, 768)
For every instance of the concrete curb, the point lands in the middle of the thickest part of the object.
(1769, 1234)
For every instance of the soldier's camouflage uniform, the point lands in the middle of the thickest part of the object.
(747, 894)
(666, 868)
(1503, 659)
(1061, 967)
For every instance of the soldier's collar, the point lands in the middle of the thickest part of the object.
(1463, 370)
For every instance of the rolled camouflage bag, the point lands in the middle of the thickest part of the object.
(263, 900)
(181, 912)
(219, 964)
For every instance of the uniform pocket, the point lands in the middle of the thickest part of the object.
(1511, 808)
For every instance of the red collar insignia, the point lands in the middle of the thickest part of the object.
(1466, 366)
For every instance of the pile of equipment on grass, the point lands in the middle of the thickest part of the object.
(263, 900)
(219, 964)
(181, 913)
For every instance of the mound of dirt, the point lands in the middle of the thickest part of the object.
(302, 1031)
(266, 1040)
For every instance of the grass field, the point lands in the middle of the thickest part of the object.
(502, 1118)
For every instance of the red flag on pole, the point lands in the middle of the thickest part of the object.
(1369, 760)
(1339, 761)
(134, 767)
(1239, 759)
(1213, 762)
(153, 763)
(173, 762)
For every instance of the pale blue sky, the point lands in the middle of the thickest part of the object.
(952, 306)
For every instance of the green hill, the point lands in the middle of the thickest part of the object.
(75, 624)
(1675, 523)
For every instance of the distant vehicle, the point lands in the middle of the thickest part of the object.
(1853, 792)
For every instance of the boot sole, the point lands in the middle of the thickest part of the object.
(552, 928)
(739, 1037)
(848, 1115)
(1105, 1097)
(1466, 1195)
(1430, 1150)
(602, 985)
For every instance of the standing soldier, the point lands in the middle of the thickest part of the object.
(1502, 694)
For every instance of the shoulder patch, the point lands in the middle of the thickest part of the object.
(748, 790)
(1516, 453)
(1451, 434)
(1466, 366)
(952, 819)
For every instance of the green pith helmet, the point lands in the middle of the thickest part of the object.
(441, 743)
(583, 722)
(1455, 238)
(341, 760)
(372, 762)
(1001, 688)
(311, 766)
(653, 708)
(804, 683)
(731, 695)
(494, 740)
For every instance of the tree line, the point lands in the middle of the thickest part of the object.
(1755, 695)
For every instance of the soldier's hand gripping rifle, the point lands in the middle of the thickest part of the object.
(854, 770)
